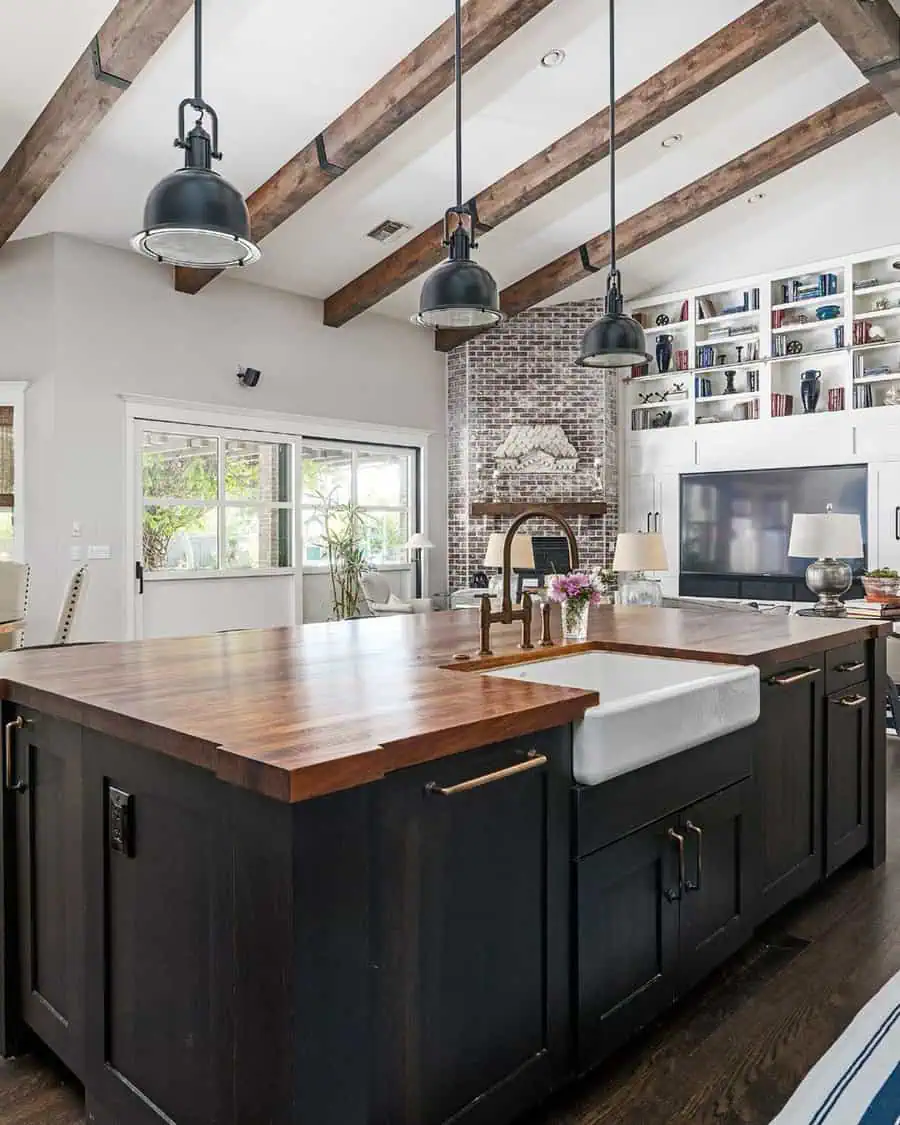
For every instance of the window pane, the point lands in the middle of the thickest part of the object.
(314, 551)
(7, 533)
(326, 472)
(179, 466)
(386, 535)
(257, 537)
(176, 537)
(257, 470)
(383, 479)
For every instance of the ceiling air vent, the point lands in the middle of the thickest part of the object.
(388, 230)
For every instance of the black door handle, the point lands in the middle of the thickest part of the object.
(897, 522)
(649, 521)
(139, 576)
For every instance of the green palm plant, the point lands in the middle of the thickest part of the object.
(344, 538)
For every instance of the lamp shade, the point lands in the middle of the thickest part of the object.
(826, 535)
(194, 217)
(638, 551)
(522, 552)
(459, 294)
(615, 340)
(418, 542)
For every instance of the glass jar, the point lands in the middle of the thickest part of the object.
(575, 619)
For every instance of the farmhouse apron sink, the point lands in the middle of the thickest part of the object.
(650, 707)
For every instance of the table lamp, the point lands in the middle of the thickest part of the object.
(637, 552)
(829, 538)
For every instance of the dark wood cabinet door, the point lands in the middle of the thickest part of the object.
(847, 764)
(716, 908)
(788, 764)
(472, 987)
(154, 981)
(627, 940)
(46, 775)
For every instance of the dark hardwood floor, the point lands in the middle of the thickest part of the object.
(731, 1054)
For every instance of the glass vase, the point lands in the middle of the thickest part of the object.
(575, 619)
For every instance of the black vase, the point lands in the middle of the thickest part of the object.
(729, 383)
(810, 384)
(663, 352)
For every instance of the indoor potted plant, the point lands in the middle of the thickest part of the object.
(576, 592)
(882, 585)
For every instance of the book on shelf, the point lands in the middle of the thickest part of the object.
(862, 397)
(861, 330)
(835, 399)
(705, 308)
(859, 607)
(782, 405)
(839, 336)
(683, 315)
(682, 359)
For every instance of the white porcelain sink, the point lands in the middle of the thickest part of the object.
(649, 707)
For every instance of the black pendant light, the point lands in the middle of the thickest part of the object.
(616, 340)
(193, 217)
(459, 293)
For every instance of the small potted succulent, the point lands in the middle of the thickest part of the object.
(882, 585)
(576, 592)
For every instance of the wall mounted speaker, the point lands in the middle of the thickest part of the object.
(249, 376)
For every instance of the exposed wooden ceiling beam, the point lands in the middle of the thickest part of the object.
(130, 36)
(406, 89)
(815, 134)
(868, 32)
(743, 42)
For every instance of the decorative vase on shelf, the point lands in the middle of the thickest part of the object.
(663, 352)
(729, 382)
(810, 387)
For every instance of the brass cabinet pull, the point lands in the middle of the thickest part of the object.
(679, 840)
(852, 666)
(699, 834)
(534, 761)
(787, 678)
(852, 701)
(14, 724)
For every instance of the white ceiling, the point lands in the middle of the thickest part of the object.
(278, 72)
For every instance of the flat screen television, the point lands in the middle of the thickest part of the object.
(739, 523)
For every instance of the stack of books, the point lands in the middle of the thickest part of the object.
(824, 285)
(782, 405)
(682, 358)
(859, 607)
(835, 399)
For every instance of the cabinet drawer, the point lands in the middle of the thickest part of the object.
(607, 812)
(846, 666)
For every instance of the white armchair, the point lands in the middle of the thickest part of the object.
(380, 600)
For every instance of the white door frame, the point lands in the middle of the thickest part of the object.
(141, 410)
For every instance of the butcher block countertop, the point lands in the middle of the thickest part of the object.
(298, 713)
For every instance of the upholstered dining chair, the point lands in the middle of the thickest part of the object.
(71, 602)
(15, 587)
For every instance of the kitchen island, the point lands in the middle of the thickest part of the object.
(337, 874)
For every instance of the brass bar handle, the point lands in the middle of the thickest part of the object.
(852, 701)
(788, 678)
(695, 886)
(534, 761)
(853, 666)
(546, 638)
(15, 724)
(679, 840)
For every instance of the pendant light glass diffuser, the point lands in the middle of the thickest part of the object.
(616, 340)
(194, 217)
(459, 293)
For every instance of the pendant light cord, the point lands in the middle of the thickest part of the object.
(198, 53)
(612, 140)
(458, 75)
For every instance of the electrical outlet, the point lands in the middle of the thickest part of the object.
(76, 553)
(76, 530)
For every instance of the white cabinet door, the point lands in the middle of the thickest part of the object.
(667, 522)
(641, 503)
(884, 515)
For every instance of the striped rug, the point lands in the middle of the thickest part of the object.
(858, 1081)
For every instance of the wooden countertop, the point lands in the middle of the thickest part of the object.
(296, 713)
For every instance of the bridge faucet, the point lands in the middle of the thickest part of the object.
(506, 614)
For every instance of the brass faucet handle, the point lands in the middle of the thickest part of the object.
(546, 639)
(526, 621)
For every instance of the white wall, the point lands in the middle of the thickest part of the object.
(87, 324)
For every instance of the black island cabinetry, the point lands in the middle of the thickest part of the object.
(446, 945)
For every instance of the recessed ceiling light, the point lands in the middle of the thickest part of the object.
(756, 197)
(553, 58)
(670, 142)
